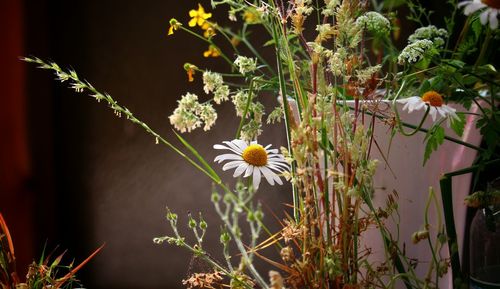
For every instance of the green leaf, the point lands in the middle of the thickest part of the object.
(477, 28)
(204, 163)
(458, 124)
(437, 83)
(426, 86)
(272, 42)
(434, 138)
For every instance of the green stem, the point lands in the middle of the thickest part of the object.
(210, 42)
(286, 109)
(247, 106)
(484, 47)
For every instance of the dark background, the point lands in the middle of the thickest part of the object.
(76, 176)
(72, 174)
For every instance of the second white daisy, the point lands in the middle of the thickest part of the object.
(435, 102)
(489, 10)
(252, 160)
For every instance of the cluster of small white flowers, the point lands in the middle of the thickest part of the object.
(251, 129)
(245, 64)
(239, 100)
(275, 116)
(190, 114)
(374, 22)
(221, 94)
(211, 80)
(208, 115)
(415, 51)
(432, 33)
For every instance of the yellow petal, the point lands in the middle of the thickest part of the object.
(193, 13)
(171, 30)
(201, 10)
(192, 22)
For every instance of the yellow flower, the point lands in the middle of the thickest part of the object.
(235, 41)
(198, 16)
(209, 30)
(251, 16)
(174, 25)
(212, 52)
(190, 70)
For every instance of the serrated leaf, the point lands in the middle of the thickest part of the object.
(434, 138)
(470, 80)
(477, 28)
(458, 125)
(437, 83)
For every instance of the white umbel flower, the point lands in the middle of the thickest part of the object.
(489, 10)
(252, 160)
(435, 102)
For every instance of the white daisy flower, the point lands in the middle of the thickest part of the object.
(435, 102)
(489, 10)
(252, 160)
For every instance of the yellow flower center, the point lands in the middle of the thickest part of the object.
(492, 3)
(255, 155)
(433, 98)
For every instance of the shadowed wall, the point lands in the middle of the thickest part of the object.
(112, 182)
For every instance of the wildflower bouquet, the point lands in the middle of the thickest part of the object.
(334, 70)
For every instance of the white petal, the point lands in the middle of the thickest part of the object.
(249, 171)
(233, 146)
(463, 3)
(256, 178)
(231, 165)
(441, 111)
(473, 7)
(272, 151)
(484, 16)
(432, 112)
(277, 179)
(276, 158)
(275, 168)
(278, 164)
(224, 157)
(240, 169)
(222, 147)
(267, 174)
(420, 105)
(493, 20)
(241, 144)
